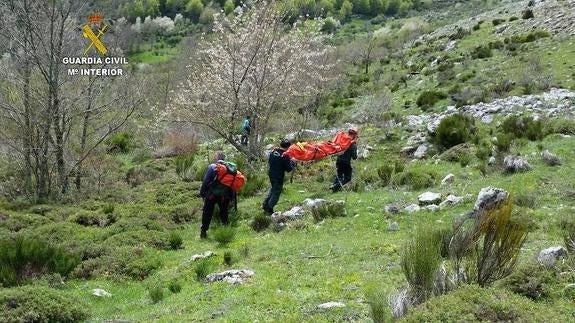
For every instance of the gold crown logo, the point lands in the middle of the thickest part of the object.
(95, 18)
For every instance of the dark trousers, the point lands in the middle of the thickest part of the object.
(274, 193)
(343, 176)
(244, 138)
(209, 205)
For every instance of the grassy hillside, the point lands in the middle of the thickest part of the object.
(135, 239)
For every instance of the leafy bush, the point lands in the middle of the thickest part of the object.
(530, 37)
(24, 258)
(254, 183)
(175, 240)
(139, 174)
(458, 154)
(481, 52)
(385, 173)
(40, 304)
(224, 234)
(523, 127)
(428, 98)
(454, 130)
(497, 21)
(156, 294)
(228, 258)
(89, 218)
(527, 14)
(120, 142)
(378, 306)
(559, 125)
(184, 167)
(472, 303)
(175, 286)
(131, 262)
(532, 281)
(420, 263)
(203, 269)
(416, 178)
(459, 33)
(328, 209)
(503, 142)
(526, 199)
(260, 222)
(330, 25)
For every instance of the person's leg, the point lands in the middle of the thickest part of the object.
(275, 192)
(337, 182)
(207, 212)
(267, 199)
(224, 206)
(346, 174)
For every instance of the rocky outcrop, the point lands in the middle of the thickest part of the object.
(234, 277)
(550, 159)
(516, 164)
(428, 198)
(549, 256)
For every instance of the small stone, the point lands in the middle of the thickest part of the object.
(447, 179)
(329, 305)
(313, 203)
(235, 276)
(550, 159)
(206, 254)
(391, 209)
(488, 198)
(432, 208)
(451, 200)
(101, 293)
(421, 151)
(429, 198)
(549, 256)
(515, 164)
(412, 208)
(393, 226)
(491, 161)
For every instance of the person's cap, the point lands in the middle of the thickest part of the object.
(285, 143)
(352, 131)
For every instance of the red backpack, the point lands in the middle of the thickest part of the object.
(230, 176)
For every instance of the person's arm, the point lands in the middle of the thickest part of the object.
(208, 179)
(289, 164)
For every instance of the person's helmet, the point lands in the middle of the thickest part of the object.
(285, 143)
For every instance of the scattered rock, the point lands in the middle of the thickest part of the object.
(432, 208)
(311, 203)
(296, 212)
(447, 179)
(421, 151)
(412, 208)
(329, 305)
(407, 151)
(234, 276)
(3, 217)
(491, 161)
(451, 200)
(363, 153)
(549, 256)
(206, 254)
(391, 209)
(550, 159)
(393, 226)
(429, 198)
(514, 164)
(101, 293)
(489, 198)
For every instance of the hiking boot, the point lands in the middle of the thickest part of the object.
(203, 235)
(268, 211)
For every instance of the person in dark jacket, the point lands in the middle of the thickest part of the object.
(279, 164)
(343, 164)
(214, 194)
(246, 130)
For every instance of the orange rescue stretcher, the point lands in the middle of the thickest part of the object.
(304, 151)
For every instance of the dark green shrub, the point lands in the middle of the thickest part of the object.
(328, 209)
(532, 281)
(385, 173)
(513, 18)
(527, 14)
(459, 33)
(496, 44)
(559, 125)
(503, 142)
(497, 21)
(40, 304)
(89, 218)
(523, 127)
(108, 208)
(416, 179)
(175, 241)
(24, 258)
(481, 52)
(458, 154)
(224, 234)
(228, 258)
(329, 25)
(182, 214)
(120, 142)
(454, 130)
(420, 262)
(203, 269)
(156, 294)
(139, 174)
(471, 303)
(254, 183)
(175, 286)
(428, 98)
(260, 222)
